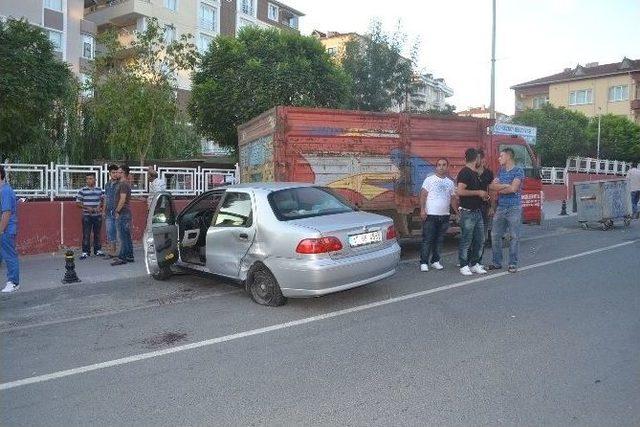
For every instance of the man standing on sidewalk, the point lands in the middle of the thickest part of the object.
(633, 181)
(156, 185)
(471, 196)
(508, 214)
(8, 231)
(486, 178)
(90, 200)
(435, 201)
(110, 202)
(123, 217)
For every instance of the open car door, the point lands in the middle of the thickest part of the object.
(161, 236)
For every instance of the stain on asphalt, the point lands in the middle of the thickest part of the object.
(165, 339)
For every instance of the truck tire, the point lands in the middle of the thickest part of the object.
(163, 274)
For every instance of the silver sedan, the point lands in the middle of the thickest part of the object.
(278, 239)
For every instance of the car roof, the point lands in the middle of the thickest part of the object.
(269, 186)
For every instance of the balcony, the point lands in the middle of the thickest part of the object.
(118, 12)
(635, 104)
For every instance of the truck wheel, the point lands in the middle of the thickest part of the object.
(163, 274)
(264, 288)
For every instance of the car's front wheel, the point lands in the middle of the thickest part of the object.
(163, 274)
(263, 287)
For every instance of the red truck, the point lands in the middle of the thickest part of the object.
(378, 161)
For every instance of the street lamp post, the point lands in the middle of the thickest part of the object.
(492, 106)
(598, 148)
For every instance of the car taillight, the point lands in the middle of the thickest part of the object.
(391, 232)
(319, 246)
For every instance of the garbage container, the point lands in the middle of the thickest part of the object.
(602, 202)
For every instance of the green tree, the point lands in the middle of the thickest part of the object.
(134, 108)
(242, 77)
(561, 133)
(38, 96)
(380, 76)
(619, 138)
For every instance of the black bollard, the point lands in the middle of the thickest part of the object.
(563, 211)
(70, 275)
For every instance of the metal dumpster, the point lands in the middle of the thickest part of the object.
(603, 202)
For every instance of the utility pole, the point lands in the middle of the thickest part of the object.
(598, 149)
(492, 106)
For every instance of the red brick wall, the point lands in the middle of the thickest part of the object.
(45, 226)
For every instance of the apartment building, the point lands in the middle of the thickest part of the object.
(592, 89)
(203, 19)
(428, 93)
(63, 21)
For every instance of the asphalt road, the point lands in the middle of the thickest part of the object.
(557, 343)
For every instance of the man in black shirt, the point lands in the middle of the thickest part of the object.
(471, 196)
(486, 178)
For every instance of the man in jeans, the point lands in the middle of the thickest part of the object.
(8, 231)
(508, 214)
(110, 203)
(123, 217)
(89, 199)
(471, 196)
(435, 200)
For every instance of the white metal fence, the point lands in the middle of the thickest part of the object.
(63, 181)
(584, 165)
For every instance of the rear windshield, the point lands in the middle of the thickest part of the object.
(305, 202)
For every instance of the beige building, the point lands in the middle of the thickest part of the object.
(592, 89)
(63, 22)
(203, 19)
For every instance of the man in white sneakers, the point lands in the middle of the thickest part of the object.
(436, 196)
(472, 196)
(8, 230)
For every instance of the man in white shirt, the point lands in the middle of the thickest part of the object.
(436, 197)
(156, 185)
(633, 181)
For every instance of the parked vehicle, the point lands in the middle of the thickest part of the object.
(378, 161)
(279, 239)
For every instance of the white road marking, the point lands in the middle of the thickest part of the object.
(259, 331)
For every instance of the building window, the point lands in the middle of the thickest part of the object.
(248, 7)
(55, 37)
(169, 34)
(539, 101)
(273, 12)
(87, 46)
(53, 5)
(244, 23)
(293, 22)
(141, 24)
(171, 5)
(208, 17)
(618, 93)
(331, 51)
(204, 42)
(85, 82)
(581, 97)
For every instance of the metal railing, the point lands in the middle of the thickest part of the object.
(553, 175)
(64, 181)
(600, 166)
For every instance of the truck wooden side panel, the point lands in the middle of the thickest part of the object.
(377, 160)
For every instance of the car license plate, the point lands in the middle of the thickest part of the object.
(365, 238)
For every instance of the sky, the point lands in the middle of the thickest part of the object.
(534, 38)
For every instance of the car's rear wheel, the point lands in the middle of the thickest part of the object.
(264, 288)
(163, 274)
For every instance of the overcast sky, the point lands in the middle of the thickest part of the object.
(535, 38)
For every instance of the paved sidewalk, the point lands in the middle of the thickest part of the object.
(46, 271)
(552, 209)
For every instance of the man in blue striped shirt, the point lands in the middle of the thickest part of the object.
(90, 200)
